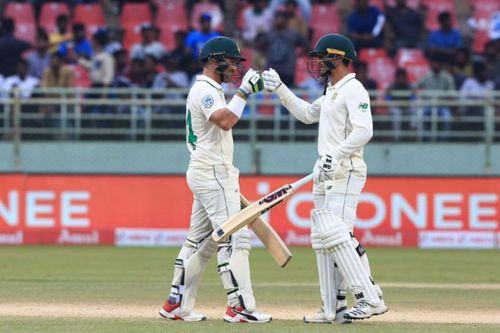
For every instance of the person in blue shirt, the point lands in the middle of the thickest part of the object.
(196, 39)
(80, 46)
(446, 40)
(365, 25)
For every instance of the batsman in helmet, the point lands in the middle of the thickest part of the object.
(214, 182)
(345, 126)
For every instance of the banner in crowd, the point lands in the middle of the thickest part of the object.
(130, 210)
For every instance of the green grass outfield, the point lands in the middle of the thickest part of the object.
(106, 289)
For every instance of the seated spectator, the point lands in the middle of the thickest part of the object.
(78, 47)
(114, 40)
(172, 77)
(137, 74)
(438, 81)
(11, 48)
(362, 76)
(151, 70)
(21, 80)
(280, 45)
(38, 60)
(492, 60)
(305, 7)
(183, 55)
(446, 40)
(405, 26)
(62, 33)
(196, 39)
(462, 66)
(149, 45)
(399, 91)
(295, 22)
(476, 87)
(365, 26)
(121, 62)
(258, 18)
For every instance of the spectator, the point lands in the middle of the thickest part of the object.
(61, 34)
(80, 46)
(405, 26)
(21, 80)
(462, 67)
(148, 45)
(477, 87)
(295, 22)
(150, 69)
(280, 45)
(114, 37)
(172, 77)
(446, 40)
(213, 9)
(365, 25)
(101, 66)
(120, 59)
(258, 18)
(492, 60)
(137, 73)
(183, 55)
(11, 48)
(196, 39)
(38, 60)
(400, 91)
(437, 81)
(305, 7)
(362, 76)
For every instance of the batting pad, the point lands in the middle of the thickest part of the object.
(337, 241)
(324, 261)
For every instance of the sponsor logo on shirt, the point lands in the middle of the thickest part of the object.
(207, 101)
(363, 106)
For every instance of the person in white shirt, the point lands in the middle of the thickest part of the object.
(257, 19)
(148, 45)
(21, 80)
(345, 126)
(213, 180)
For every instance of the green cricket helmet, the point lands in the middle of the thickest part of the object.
(328, 48)
(219, 49)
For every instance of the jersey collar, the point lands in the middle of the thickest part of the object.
(342, 81)
(212, 82)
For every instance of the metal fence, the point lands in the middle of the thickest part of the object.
(158, 115)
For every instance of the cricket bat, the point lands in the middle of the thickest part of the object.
(249, 214)
(269, 237)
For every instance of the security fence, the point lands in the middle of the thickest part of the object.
(158, 115)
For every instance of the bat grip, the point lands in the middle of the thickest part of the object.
(302, 182)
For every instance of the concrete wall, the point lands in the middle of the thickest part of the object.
(275, 158)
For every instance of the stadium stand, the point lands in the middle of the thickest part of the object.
(91, 15)
(50, 11)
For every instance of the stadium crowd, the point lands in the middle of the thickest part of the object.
(413, 45)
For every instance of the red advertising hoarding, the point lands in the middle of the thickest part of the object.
(425, 212)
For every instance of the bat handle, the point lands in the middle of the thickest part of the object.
(302, 182)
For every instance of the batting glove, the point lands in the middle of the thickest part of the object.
(251, 83)
(324, 169)
(271, 79)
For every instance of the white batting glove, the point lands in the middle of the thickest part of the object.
(324, 169)
(251, 83)
(271, 80)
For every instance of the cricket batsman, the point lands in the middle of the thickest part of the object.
(214, 182)
(345, 126)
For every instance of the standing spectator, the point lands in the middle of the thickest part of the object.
(196, 39)
(80, 46)
(38, 60)
(400, 91)
(258, 18)
(280, 45)
(438, 81)
(446, 40)
(365, 25)
(361, 69)
(62, 33)
(101, 66)
(148, 45)
(405, 26)
(295, 22)
(11, 48)
(21, 80)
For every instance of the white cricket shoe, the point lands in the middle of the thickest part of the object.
(242, 315)
(320, 317)
(173, 311)
(364, 310)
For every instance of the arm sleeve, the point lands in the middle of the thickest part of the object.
(360, 117)
(303, 111)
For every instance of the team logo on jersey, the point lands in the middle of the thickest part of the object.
(363, 106)
(207, 101)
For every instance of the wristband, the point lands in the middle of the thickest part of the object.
(237, 105)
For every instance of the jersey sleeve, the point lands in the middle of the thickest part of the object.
(360, 116)
(210, 101)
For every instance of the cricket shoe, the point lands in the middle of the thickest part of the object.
(321, 318)
(242, 315)
(173, 311)
(364, 310)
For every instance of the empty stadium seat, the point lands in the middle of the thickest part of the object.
(21, 13)
(368, 55)
(131, 35)
(134, 14)
(434, 7)
(26, 31)
(415, 4)
(382, 70)
(172, 14)
(91, 15)
(408, 55)
(416, 69)
(50, 11)
(324, 20)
